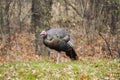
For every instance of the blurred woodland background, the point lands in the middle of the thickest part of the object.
(93, 24)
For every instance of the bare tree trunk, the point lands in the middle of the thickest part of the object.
(40, 19)
(19, 14)
(1, 20)
(66, 7)
(7, 19)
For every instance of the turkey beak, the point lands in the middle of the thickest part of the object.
(41, 35)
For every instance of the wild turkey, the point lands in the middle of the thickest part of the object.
(59, 40)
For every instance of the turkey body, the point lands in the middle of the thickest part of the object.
(59, 40)
(58, 32)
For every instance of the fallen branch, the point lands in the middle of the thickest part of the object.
(110, 53)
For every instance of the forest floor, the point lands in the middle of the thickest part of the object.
(83, 69)
(21, 63)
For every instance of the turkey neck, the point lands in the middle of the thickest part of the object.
(44, 39)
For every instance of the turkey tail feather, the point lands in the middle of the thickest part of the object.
(72, 54)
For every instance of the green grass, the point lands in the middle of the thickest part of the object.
(84, 69)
